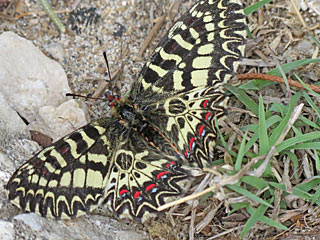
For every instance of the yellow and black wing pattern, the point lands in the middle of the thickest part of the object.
(101, 162)
(180, 90)
(139, 159)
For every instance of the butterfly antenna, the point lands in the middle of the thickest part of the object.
(81, 96)
(108, 69)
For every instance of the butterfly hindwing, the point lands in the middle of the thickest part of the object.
(187, 119)
(143, 177)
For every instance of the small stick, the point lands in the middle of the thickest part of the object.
(295, 7)
(40, 13)
(251, 76)
(154, 30)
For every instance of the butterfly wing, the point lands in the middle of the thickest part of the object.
(68, 178)
(201, 49)
(103, 160)
(180, 90)
(187, 119)
(143, 177)
(135, 169)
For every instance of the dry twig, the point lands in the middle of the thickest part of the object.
(268, 77)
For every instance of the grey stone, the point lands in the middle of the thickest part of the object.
(6, 230)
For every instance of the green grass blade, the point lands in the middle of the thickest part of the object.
(268, 221)
(316, 195)
(283, 75)
(256, 182)
(244, 98)
(255, 7)
(241, 153)
(309, 145)
(276, 133)
(237, 206)
(263, 135)
(309, 122)
(255, 217)
(248, 194)
(315, 40)
(312, 104)
(297, 140)
(290, 66)
(317, 160)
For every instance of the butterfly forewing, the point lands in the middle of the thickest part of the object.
(183, 81)
(201, 49)
(67, 178)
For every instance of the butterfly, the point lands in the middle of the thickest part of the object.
(139, 158)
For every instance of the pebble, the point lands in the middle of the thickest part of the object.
(6, 230)
(33, 220)
(57, 51)
(314, 5)
(305, 46)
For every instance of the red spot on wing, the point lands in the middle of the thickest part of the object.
(205, 103)
(173, 47)
(201, 130)
(208, 115)
(191, 143)
(170, 164)
(149, 187)
(137, 194)
(44, 172)
(161, 174)
(186, 153)
(123, 191)
(63, 150)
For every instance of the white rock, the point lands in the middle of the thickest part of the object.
(35, 87)
(10, 122)
(6, 230)
(13, 139)
(34, 221)
(29, 79)
(59, 121)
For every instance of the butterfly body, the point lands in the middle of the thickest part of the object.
(139, 158)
